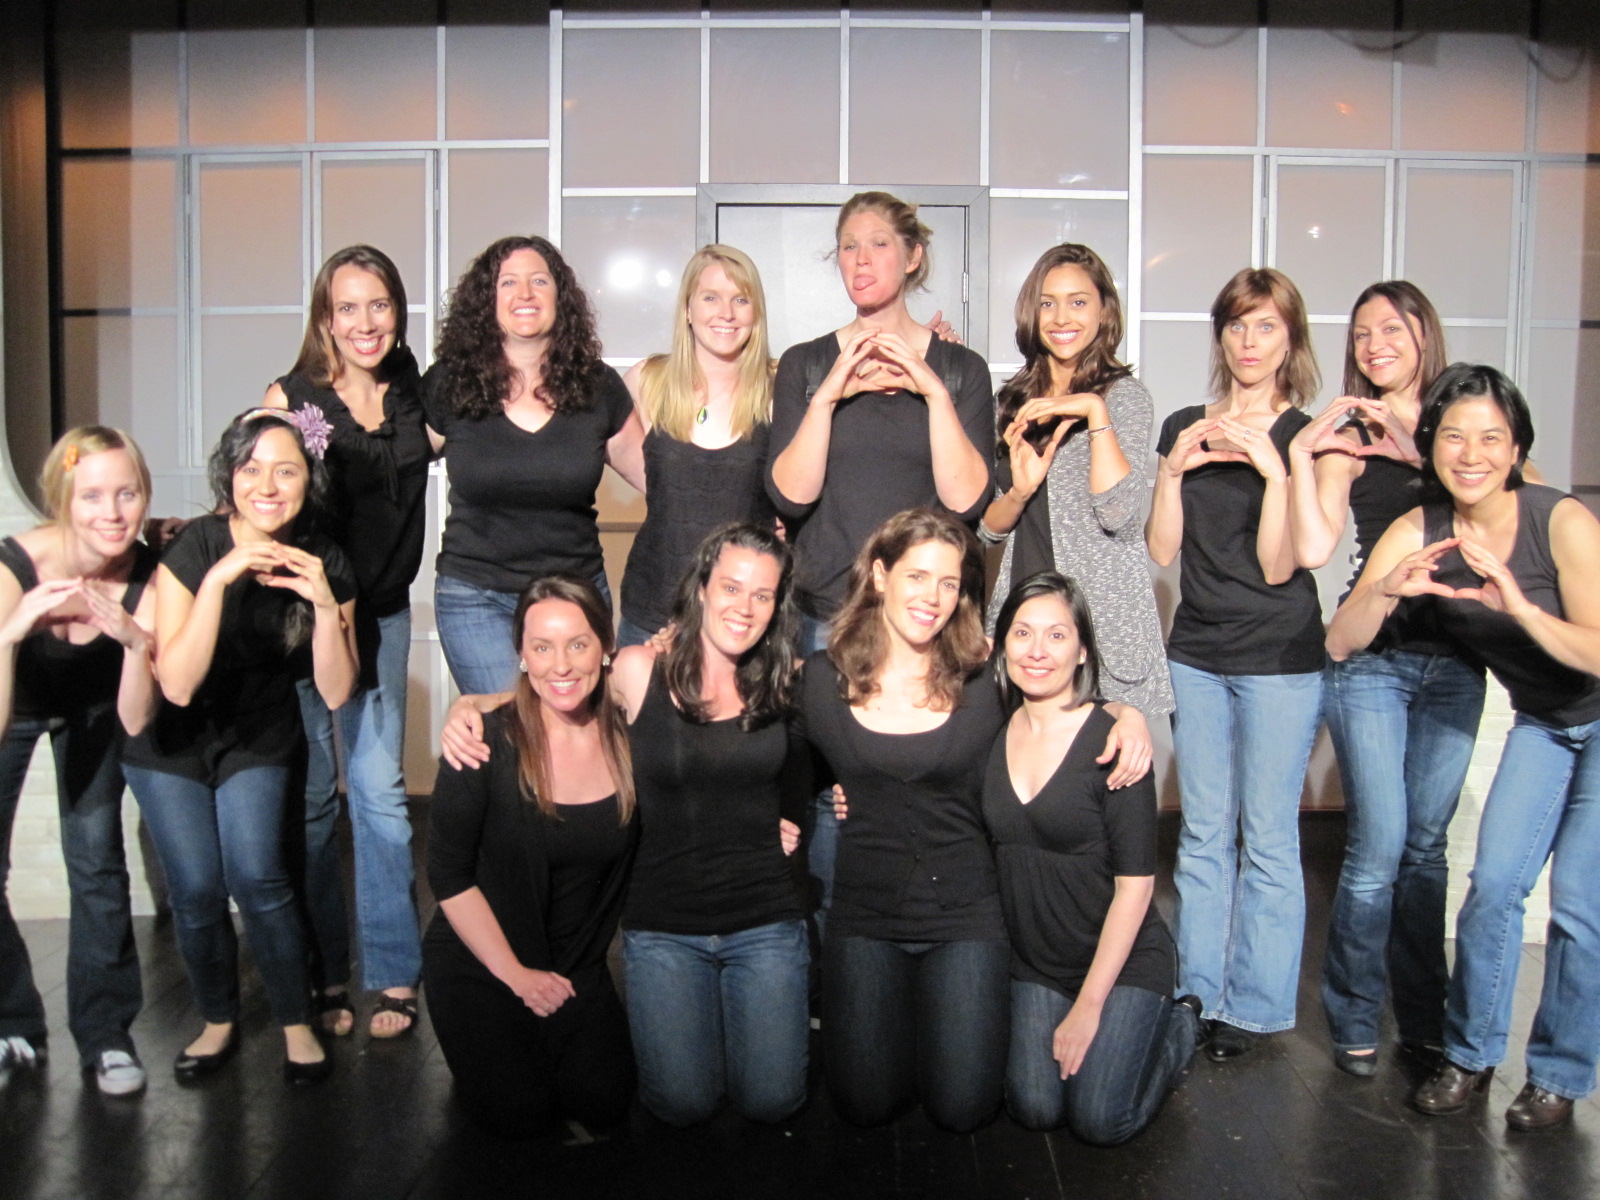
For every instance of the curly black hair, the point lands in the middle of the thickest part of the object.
(471, 342)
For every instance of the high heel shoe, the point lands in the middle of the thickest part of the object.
(189, 1067)
(1450, 1089)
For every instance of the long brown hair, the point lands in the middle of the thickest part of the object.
(1298, 377)
(1417, 311)
(319, 359)
(525, 731)
(859, 645)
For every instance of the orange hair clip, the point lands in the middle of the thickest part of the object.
(69, 459)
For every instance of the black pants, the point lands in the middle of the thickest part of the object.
(517, 1073)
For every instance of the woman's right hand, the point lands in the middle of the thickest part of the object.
(36, 604)
(1324, 432)
(260, 558)
(542, 991)
(1029, 466)
(461, 740)
(1413, 574)
(859, 369)
(1189, 450)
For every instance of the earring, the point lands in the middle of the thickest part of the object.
(605, 660)
(523, 667)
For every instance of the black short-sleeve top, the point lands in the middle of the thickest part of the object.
(522, 504)
(914, 861)
(58, 678)
(1058, 856)
(1230, 620)
(245, 712)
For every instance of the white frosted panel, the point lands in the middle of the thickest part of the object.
(1476, 343)
(1330, 232)
(774, 105)
(632, 107)
(1327, 342)
(123, 372)
(250, 234)
(629, 254)
(1458, 231)
(1463, 91)
(480, 63)
(792, 246)
(1021, 230)
(1583, 429)
(1328, 88)
(247, 86)
(1566, 74)
(239, 357)
(428, 692)
(1196, 228)
(119, 233)
(117, 89)
(376, 85)
(422, 618)
(1174, 363)
(1199, 85)
(384, 203)
(1563, 446)
(1031, 78)
(1566, 265)
(618, 502)
(494, 193)
(914, 105)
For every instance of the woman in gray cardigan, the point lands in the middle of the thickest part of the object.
(1070, 491)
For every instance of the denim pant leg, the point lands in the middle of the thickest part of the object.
(766, 1018)
(181, 815)
(1520, 818)
(103, 985)
(1565, 1041)
(21, 1009)
(475, 634)
(820, 837)
(675, 1019)
(327, 918)
(372, 725)
(629, 634)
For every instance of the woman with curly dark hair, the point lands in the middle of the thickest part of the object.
(531, 416)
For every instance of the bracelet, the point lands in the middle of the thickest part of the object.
(1094, 433)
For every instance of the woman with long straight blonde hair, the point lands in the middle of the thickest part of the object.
(706, 406)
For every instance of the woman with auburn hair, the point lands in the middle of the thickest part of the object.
(1403, 713)
(356, 372)
(531, 416)
(529, 856)
(706, 407)
(914, 977)
(1246, 659)
(77, 621)
(1070, 490)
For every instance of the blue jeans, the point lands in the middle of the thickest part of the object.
(719, 1016)
(475, 633)
(1241, 743)
(372, 727)
(908, 1021)
(1545, 800)
(220, 842)
(103, 990)
(1403, 726)
(629, 634)
(1144, 1042)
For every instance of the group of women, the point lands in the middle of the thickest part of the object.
(802, 662)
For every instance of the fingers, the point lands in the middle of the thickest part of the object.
(841, 808)
(788, 836)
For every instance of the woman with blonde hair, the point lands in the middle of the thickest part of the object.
(706, 407)
(1246, 658)
(76, 617)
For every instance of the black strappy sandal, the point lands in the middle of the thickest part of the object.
(406, 1006)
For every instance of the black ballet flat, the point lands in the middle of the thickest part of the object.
(190, 1067)
(301, 1074)
(1362, 1066)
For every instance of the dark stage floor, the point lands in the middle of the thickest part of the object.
(1283, 1123)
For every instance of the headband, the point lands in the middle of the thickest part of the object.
(310, 421)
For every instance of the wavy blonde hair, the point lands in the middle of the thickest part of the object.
(55, 477)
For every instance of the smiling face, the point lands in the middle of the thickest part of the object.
(1069, 313)
(1473, 450)
(920, 591)
(1042, 648)
(525, 296)
(269, 487)
(738, 600)
(562, 655)
(720, 315)
(108, 504)
(1254, 344)
(1387, 351)
(361, 317)
(874, 261)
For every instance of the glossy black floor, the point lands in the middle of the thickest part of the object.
(1283, 1123)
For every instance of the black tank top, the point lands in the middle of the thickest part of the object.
(1539, 685)
(1384, 492)
(56, 678)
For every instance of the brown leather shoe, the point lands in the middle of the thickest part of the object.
(1535, 1108)
(1449, 1089)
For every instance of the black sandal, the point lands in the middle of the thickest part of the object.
(323, 1003)
(406, 1006)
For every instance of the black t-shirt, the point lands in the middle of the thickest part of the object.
(1230, 620)
(710, 796)
(380, 483)
(582, 846)
(914, 861)
(879, 460)
(522, 504)
(1058, 858)
(245, 712)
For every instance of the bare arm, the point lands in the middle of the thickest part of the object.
(625, 451)
(476, 925)
(1396, 565)
(1124, 918)
(801, 467)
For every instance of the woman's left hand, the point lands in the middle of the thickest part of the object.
(111, 619)
(306, 580)
(1394, 443)
(1256, 446)
(1074, 1036)
(894, 350)
(1499, 591)
(788, 836)
(1080, 406)
(1129, 743)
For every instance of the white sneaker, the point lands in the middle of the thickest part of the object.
(18, 1053)
(118, 1073)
